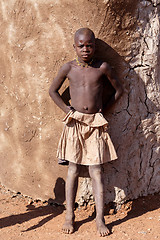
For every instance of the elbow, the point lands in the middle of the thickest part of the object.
(51, 92)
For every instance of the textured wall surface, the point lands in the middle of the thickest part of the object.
(36, 38)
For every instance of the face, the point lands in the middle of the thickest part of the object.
(84, 47)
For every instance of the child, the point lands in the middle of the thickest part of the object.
(85, 140)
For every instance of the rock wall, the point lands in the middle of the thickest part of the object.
(36, 39)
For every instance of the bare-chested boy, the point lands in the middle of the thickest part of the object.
(84, 140)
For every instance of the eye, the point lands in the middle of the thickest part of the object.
(89, 46)
(81, 46)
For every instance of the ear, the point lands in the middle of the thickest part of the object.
(74, 46)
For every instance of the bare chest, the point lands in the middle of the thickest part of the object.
(85, 76)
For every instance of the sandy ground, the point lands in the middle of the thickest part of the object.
(21, 218)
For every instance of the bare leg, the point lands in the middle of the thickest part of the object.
(71, 189)
(95, 173)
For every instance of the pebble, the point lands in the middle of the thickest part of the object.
(111, 211)
(142, 232)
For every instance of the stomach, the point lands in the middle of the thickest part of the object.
(87, 101)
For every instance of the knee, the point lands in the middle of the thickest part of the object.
(73, 170)
(95, 172)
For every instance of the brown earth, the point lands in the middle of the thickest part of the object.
(36, 39)
(22, 218)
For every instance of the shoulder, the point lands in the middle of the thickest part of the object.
(66, 67)
(105, 67)
(107, 70)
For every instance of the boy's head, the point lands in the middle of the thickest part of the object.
(84, 44)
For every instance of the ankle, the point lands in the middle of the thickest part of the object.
(100, 219)
(70, 215)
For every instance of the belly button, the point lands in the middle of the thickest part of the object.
(86, 108)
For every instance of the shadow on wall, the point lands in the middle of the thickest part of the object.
(53, 209)
(108, 54)
(115, 61)
(125, 178)
(130, 176)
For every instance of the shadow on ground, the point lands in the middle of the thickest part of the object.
(138, 207)
(50, 211)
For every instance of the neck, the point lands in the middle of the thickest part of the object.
(84, 64)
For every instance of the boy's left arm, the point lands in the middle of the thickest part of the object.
(109, 73)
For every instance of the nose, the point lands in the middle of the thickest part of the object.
(85, 49)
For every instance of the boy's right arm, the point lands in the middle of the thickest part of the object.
(56, 85)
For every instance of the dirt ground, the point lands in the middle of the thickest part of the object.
(21, 218)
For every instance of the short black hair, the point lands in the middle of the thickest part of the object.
(84, 31)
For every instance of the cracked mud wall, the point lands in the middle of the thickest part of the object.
(135, 121)
(36, 39)
(145, 63)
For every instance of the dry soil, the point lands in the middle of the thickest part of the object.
(22, 218)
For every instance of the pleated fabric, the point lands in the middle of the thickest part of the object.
(85, 140)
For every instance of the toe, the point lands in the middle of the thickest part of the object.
(103, 233)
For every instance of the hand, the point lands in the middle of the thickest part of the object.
(71, 108)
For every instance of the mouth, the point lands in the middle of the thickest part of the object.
(85, 55)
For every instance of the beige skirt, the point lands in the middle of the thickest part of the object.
(85, 140)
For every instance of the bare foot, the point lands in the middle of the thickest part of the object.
(102, 229)
(68, 225)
